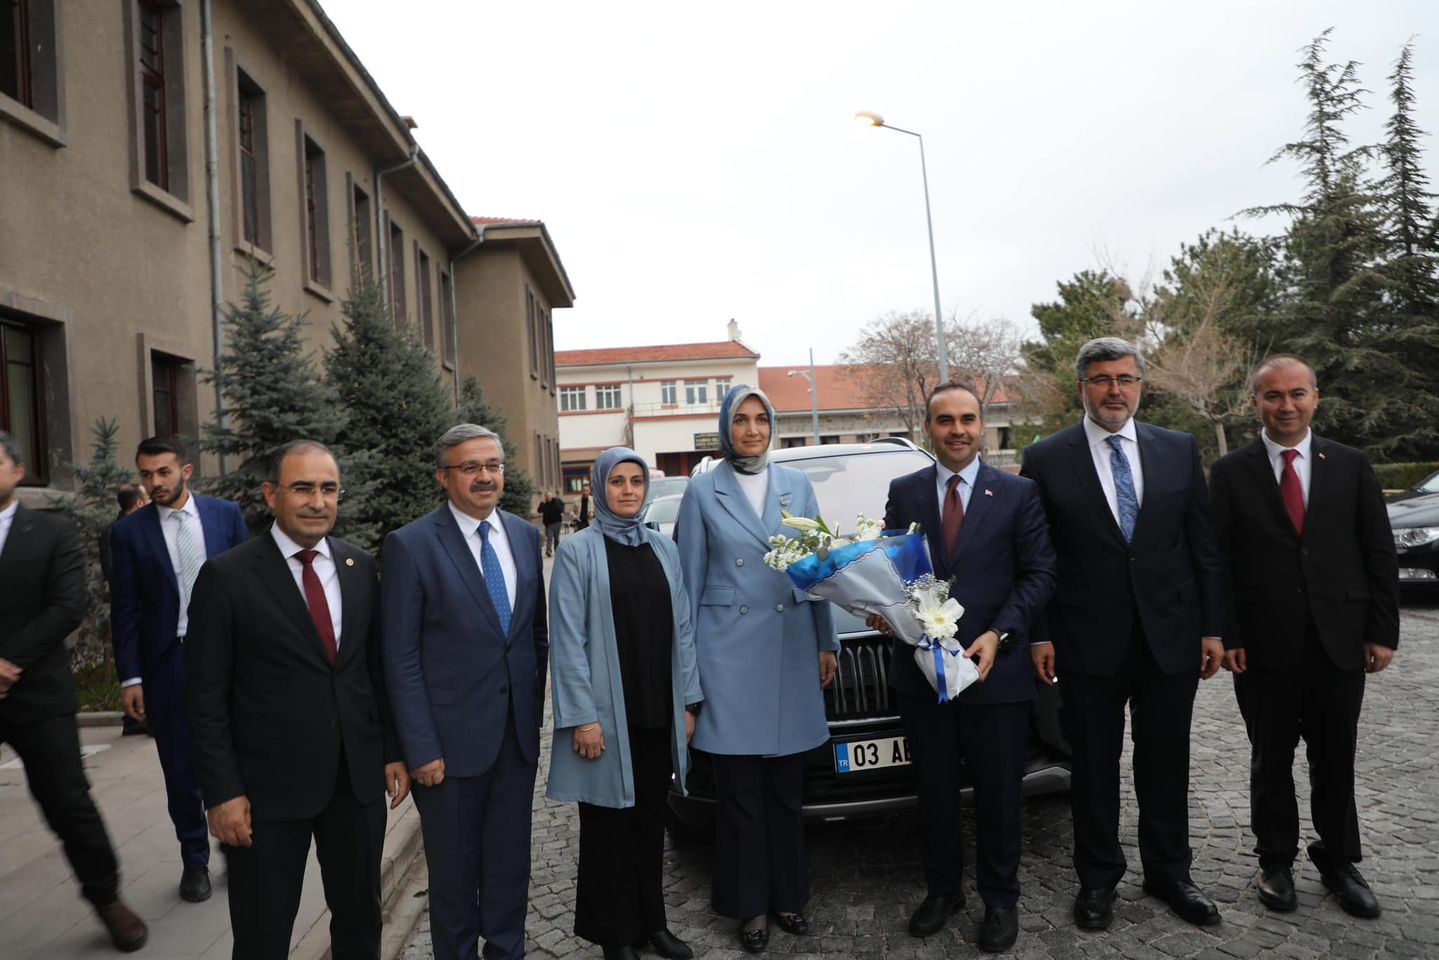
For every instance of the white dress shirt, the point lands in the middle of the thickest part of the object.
(966, 484)
(325, 569)
(1100, 449)
(755, 486)
(470, 529)
(1303, 466)
(7, 517)
(170, 530)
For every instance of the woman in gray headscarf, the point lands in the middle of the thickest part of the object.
(765, 652)
(625, 694)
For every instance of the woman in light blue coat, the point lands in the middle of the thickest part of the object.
(625, 693)
(765, 654)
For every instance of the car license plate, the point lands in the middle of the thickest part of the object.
(871, 754)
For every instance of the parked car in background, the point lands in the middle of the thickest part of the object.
(865, 768)
(661, 513)
(1414, 517)
(663, 486)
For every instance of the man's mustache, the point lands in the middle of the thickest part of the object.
(483, 485)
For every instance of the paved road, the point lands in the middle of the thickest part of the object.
(866, 875)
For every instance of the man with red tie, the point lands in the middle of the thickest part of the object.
(1313, 606)
(288, 715)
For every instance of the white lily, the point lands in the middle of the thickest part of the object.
(800, 523)
(940, 620)
(867, 529)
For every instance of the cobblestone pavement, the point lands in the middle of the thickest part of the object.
(866, 876)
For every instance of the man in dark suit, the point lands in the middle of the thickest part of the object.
(156, 554)
(986, 529)
(1135, 621)
(582, 519)
(1314, 591)
(291, 731)
(42, 569)
(465, 645)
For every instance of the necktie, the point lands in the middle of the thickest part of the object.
(319, 606)
(1124, 493)
(191, 554)
(494, 577)
(1292, 491)
(953, 515)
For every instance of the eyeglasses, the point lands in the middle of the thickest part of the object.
(1105, 381)
(305, 490)
(470, 468)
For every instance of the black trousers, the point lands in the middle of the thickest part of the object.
(991, 738)
(265, 878)
(759, 862)
(1319, 702)
(50, 751)
(1161, 707)
(619, 895)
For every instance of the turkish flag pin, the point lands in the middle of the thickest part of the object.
(988, 492)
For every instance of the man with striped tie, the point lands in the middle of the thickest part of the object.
(465, 644)
(156, 554)
(1135, 622)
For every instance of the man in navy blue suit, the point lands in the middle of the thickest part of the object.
(1135, 622)
(986, 529)
(156, 554)
(465, 645)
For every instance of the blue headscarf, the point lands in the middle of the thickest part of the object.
(628, 531)
(732, 400)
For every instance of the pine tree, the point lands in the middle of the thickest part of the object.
(474, 408)
(271, 394)
(395, 409)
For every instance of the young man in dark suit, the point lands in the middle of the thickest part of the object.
(156, 553)
(288, 718)
(986, 529)
(466, 645)
(42, 570)
(1135, 622)
(1314, 591)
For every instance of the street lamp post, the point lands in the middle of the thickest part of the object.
(813, 393)
(875, 120)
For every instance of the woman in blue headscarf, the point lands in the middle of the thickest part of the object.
(765, 653)
(625, 692)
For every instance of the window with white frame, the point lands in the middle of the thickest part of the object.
(697, 391)
(607, 396)
(722, 385)
(669, 392)
(572, 398)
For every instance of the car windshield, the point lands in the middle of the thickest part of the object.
(665, 486)
(858, 483)
(663, 510)
(1429, 484)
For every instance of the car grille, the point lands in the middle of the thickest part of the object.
(861, 689)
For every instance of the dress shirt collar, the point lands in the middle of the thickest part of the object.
(968, 474)
(189, 508)
(468, 524)
(1274, 450)
(1096, 434)
(7, 516)
(288, 547)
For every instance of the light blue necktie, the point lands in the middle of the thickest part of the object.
(1123, 486)
(495, 577)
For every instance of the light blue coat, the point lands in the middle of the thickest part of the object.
(585, 681)
(757, 637)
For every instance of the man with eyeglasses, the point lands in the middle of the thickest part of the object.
(156, 554)
(288, 716)
(465, 644)
(1135, 622)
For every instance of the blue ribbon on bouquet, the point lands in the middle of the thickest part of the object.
(926, 643)
(907, 552)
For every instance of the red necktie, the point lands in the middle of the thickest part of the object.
(319, 606)
(1292, 492)
(953, 515)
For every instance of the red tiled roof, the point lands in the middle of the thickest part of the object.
(841, 387)
(722, 350)
(507, 221)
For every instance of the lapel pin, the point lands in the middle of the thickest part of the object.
(1321, 455)
(988, 492)
(349, 561)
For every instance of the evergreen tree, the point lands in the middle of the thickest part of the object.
(271, 394)
(395, 409)
(474, 408)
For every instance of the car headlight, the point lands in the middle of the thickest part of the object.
(1407, 538)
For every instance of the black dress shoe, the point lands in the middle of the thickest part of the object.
(754, 941)
(999, 930)
(625, 952)
(1276, 888)
(1094, 908)
(1186, 900)
(669, 946)
(932, 913)
(1355, 897)
(195, 885)
(792, 923)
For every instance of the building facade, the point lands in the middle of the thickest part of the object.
(133, 207)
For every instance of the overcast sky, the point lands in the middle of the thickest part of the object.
(697, 162)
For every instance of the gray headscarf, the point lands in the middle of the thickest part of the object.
(732, 400)
(626, 530)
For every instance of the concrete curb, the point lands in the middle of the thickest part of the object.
(99, 718)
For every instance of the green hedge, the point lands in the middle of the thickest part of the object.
(1399, 476)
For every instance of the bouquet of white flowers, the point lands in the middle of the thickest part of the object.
(867, 572)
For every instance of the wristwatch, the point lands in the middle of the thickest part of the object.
(1005, 638)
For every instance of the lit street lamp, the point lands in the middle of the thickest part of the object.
(813, 393)
(875, 120)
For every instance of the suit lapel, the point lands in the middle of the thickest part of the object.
(155, 537)
(1321, 481)
(274, 572)
(930, 524)
(1082, 459)
(1262, 472)
(453, 542)
(777, 498)
(526, 575)
(732, 498)
(352, 596)
(19, 526)
(214, 536)
(976, 515)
